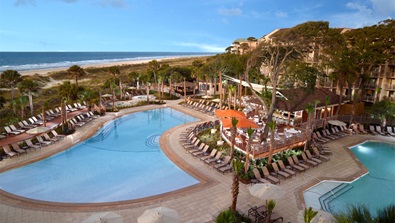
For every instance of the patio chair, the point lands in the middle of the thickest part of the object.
(361, 128)
(338, 132)
(30, 125)
(317, 154)
(372, 130)
(9, 131)
(355, 129)
(24, 126)
(43, 142)
(204, 151)
(225, 168)
(258, 176)
(56, 135)
(212, 154)
(310, 157)
(283, 168)
(294, 166)
(296, 161)
(215, 159)
(221, 163)
(378, 129)
(17, 149)
(280, 172)
(308, 161)
(193, 146)
(8, 151)
(30, 145)
(189, 142)
(269, 177)
(47, 138)
(201, 146)
(389, 130)
(13, 128)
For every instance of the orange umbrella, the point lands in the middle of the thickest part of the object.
(242, 123)
(229, 114)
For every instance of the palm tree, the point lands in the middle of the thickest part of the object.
(44, 106)
(327, 102)
(250, 131)
(233, 132)
(154, 66)
(272, 127)
(271, 204)
(310, 111)
(237, 167)
(231, 89)
(114, 70)
(29, 87)
(76, 72)
(11, 78)
(22, 101)
(309, 214)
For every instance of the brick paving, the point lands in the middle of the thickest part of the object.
(197, 204)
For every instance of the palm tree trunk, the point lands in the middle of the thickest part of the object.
(235, 191)
(220, 90)
(31, 103)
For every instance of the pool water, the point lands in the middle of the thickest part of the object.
(122, 161)
(374, 190)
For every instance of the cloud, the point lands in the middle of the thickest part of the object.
(112, 3)
(230, 12)
(24, 2)
(281, 14)
(203, 47)
(384, 7)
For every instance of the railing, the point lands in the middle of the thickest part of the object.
(390, 87)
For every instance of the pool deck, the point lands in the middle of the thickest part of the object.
(199, 203)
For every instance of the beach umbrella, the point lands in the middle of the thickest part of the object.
(242, 123)
(292, 131)
(337, 122)
(321, 217)
(109, 217)
(229, 114)
(159, 215)
(37, 130)
(106, 95)
(216, 100)
(266, 191)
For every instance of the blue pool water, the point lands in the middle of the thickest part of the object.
(122, 161)
(375, 189)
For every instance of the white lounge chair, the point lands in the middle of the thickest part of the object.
(389, 130)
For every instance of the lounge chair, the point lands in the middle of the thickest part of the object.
(378, 129)
(355, 129)
(24, 126)
(56, 135)
(317, 154)
(30, 145)
(327, 134)
(267, 175)
(308, 161)
(258, 176)
(323, 137)
(9, 131)
(215, 159)
(43, 142)
(78, 122)
(223, 163)
(13, 128)
(389, 130)
(320, 138)
(30, 125)
(212, 154)
(294, 166)
(283, 168)
(47, 138)
(204, 151)
(225, 168)
(17, 149)
(310, 157)
(296, 160)
(362, 129)
(201, 146)
(372, 130)
(193, 146)
(189, 142)
(39, 122)
(8, 151)
(338, 132)
(280, 172)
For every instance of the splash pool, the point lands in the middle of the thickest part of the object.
(122, 161)
(375, 189)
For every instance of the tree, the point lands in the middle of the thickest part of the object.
(383, 110)
(11, 78)
(272, 127)
(271, 204)
(76, 72)
(310, 112)
(237, 167)
(29, 87)
(154, 66)
(250, 131)
(327, 102)
(309, 214)
(22, 101)
(68, 91)
(233, 133)
(114, 70)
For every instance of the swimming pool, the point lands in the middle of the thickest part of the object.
(122, 161)
(375, 189)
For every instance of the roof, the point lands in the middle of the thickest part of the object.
(187, 84)
(298, 99)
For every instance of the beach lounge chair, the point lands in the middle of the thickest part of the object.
(201, 146)
(310, 157)
(9, 131)
(193, 146)
(223, 163)
(296, 161)
(24, 126)
(17, 149)
(258, 176)
(317, 154)
(355, 129)
(362, 129)
(389, 130)
(215, 159)
(308, 161)
(203, 152)
(338, 132)
(56, 135)
(294, 166)
(47, 138)
(320, 138)
(323, 137)
(190, 141)
(36, 121)
(43, 142)
(225, 168)
(372, 130)
(327, 134)
(269, 177)
(378, 129)
(13, 128)
(212, 154)
(280, 172)
(30, 145)
(30, 125)
(283, 168)
(8, 151)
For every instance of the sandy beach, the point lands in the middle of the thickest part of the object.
(46, 72)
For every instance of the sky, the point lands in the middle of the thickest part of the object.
(168, 25)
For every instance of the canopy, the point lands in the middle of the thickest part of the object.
(159, 215)
(242, 123)
(37, 130)
(266, 191)
(229, 114)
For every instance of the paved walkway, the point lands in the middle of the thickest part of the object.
(200, 204)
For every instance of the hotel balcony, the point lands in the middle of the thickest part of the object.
(390, 87)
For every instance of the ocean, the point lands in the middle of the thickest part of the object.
(23, 61)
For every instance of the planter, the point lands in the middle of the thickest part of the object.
(245, 181)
